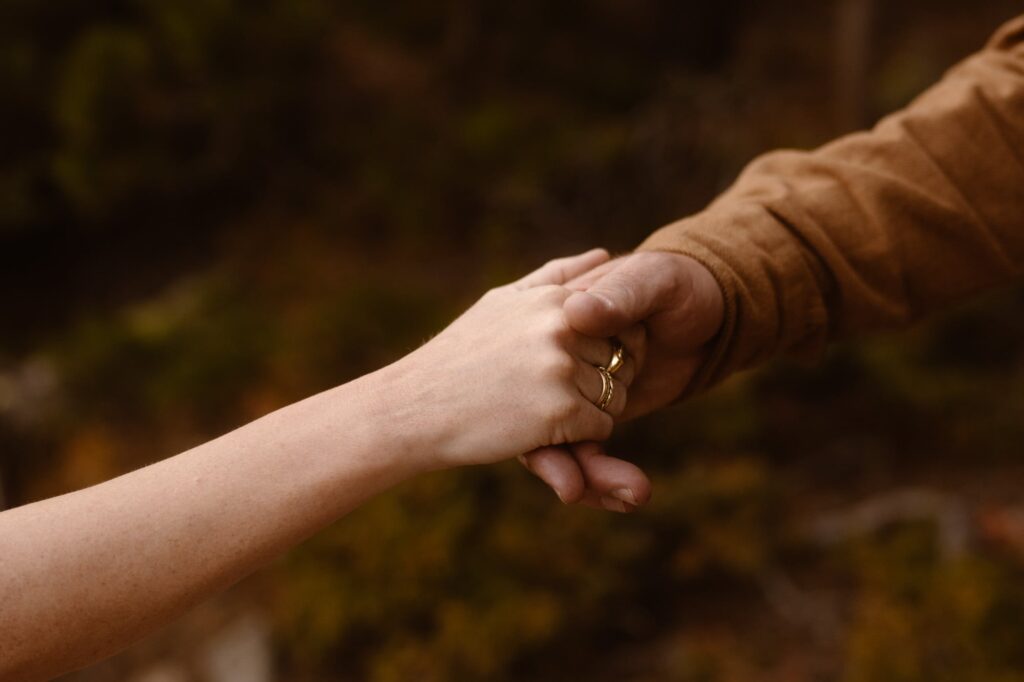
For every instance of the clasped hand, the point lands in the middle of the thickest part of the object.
(517, 374)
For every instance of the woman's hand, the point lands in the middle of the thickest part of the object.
(84, 574)
(509, 375)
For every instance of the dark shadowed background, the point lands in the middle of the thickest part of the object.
(210, 208)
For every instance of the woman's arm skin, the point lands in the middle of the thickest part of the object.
(85, 574)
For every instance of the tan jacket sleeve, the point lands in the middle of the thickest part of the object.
(874, 229)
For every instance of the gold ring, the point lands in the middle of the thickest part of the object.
(618, 357)
(607, 389)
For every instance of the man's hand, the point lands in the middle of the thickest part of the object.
(673, 296)
(681, 306)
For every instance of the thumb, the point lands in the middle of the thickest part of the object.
(641, 285)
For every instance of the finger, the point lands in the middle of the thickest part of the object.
(610, 478)
(591, 385)
(586, 422)
(586, 280)
(639, 286)
(595, 501)
(593, 351)
(556, 466)
(561, 270)
(598, 353)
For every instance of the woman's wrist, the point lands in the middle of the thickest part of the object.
(360, 435)
(395, 407)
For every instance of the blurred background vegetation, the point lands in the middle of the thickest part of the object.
(210, 208)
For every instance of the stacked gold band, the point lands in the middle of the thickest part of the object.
(607, 384)
(607, 388)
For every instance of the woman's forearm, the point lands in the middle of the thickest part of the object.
(84, 574)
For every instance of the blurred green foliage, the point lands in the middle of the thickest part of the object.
(209, 209)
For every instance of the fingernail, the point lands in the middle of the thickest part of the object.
(602, 298)
(611, 504)
(522, 460)
(626, 495)
(576, 294)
